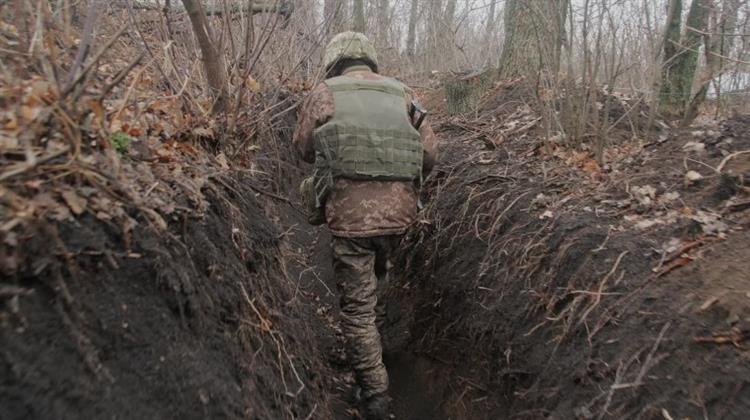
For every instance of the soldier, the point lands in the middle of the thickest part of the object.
(370, 156)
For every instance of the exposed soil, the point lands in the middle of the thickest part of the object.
(549, 290)
(202, 322)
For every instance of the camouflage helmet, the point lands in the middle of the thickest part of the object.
(350, 46)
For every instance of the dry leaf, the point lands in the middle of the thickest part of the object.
(203, 132)
(98, 110)
(115, 126)
(33, 184)
(222, 159)
(645, 195)
(692, 176)
(252, 84)
(29, 113)
(694, 146)
(591, 166)
(710, 223)
(76, 203)
(645, 224)
(12, 123)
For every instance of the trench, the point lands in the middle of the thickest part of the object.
(417, 383)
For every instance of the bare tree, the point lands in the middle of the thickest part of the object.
(533, 37)
(450, 13)
(213, 60)
(718, 46)
(335, 11)
(434, 30)
(383, 21)
(411, 38)
(489, 28)
(359, 16)
(681, 60)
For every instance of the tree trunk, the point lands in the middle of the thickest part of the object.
(489, 28)
(679, 70)
(383, 22)
(359, 16)
(717, 46)
(533, 38)
(334, 12)
(434, 32)
(464, 92)
(213, 60)
(450, 13)
(411, 38)
(447, 39)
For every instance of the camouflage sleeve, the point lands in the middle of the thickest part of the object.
(316, 111)
(429, 139)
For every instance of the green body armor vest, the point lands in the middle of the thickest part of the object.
(369, 137)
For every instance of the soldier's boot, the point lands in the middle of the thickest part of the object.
(377, 407)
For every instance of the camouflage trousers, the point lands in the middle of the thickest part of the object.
(361, 268)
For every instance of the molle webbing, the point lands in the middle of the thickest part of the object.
(370, 135)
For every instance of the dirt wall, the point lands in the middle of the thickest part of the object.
(200, 321)
(543, 291)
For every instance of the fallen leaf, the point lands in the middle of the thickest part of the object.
(203, 132)
(115, 126)
(710, 223)
(12, 123)
(592, 166)
(222, 159)
(33, 184)
(694, 147)
(692, 177)
(252, 84)
(40, 88)
(645, 224)
(76, 203)
(669, 197)
(29, 113)
(645, 195)
(98, 110)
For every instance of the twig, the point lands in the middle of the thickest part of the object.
(80, 76)
(733, 336)
(83, 49)
(647, 363)
(26, 166)
(728, 158)
(120, 76)
(600, 291)
(13, 291)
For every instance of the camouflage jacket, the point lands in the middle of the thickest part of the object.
(357, 209)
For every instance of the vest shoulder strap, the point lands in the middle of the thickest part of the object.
(346, 83)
